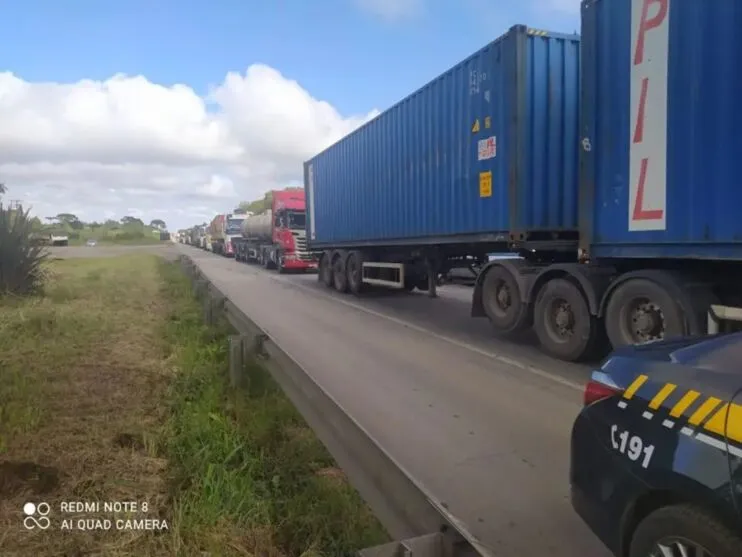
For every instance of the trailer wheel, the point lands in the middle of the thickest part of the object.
(325, 274)
(563, 323)
(354, 272)
(339, 275)
(502, 302)
(641, 311)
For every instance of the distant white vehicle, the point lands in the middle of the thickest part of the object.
(59, 239)
(90, 243)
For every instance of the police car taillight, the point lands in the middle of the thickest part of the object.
(599, 387)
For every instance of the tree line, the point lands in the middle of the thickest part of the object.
(127, 228)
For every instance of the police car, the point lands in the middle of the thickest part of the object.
(656, 455)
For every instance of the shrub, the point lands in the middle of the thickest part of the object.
(21, 260)
(130, 235)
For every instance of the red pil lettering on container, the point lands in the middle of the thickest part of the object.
(646, 24)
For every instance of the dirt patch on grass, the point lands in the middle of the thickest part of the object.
(83, 378)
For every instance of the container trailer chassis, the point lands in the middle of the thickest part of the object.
(578, 309)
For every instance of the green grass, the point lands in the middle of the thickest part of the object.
(111, 388)
(116, 240)
(260, 467)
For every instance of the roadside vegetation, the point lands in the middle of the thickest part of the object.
(127, 231)
(112, 389)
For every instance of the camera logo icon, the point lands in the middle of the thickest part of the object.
(36, 516)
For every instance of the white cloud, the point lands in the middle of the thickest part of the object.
(392, 10)
(127, 145)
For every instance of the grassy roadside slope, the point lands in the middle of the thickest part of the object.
(111, 389)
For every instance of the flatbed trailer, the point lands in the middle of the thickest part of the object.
(596, 159)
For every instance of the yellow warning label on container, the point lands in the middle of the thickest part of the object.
(487, 123)
(475, 127)
(485, 184)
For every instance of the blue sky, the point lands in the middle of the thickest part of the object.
(339, 50)
(75, 140)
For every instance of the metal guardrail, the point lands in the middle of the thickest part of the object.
(410, 514)
(717, 314)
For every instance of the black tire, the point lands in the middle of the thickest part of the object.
(641, 310)
(577, 338)
(339, 276)
(267, 263)
(325, 275)
(502, 301)
(354, 272)
(689, 524)
(280, 265)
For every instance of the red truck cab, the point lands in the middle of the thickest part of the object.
(289, 230)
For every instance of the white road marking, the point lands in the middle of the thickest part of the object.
(465, 345)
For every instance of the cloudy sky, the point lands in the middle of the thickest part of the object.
(179, 110)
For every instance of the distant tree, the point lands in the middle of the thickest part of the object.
(259, 205)
(158, 223)
(67, 218)
(94, 225)
(3, 188)
(132, 221)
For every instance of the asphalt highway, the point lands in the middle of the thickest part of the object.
(483, 424)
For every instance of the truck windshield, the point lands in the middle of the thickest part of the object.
(233, 226)
(297, 221)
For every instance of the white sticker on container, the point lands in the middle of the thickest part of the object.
(487, 148)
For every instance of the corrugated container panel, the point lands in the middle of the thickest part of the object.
(662, 119)
(486, 149)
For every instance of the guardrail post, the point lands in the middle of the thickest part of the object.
(216, 308)
(237, 360)
(208, 310)
(200, 288)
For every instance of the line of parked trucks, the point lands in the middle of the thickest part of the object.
(275, 239)
(609, 163)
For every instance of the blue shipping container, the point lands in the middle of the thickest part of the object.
(662, 114)
(488, 149)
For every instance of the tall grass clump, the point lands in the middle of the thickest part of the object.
(21, 262)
